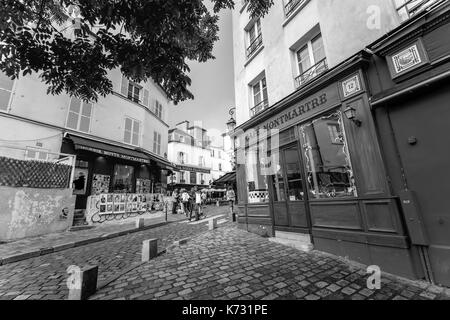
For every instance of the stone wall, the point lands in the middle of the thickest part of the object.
(28, 212)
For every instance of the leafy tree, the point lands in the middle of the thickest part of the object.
(72, 44)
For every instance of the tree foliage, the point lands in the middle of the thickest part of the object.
(73, 44)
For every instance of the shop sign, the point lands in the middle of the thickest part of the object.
(351, 86)
(193, 169)
(304, 109)
(113, 154)
(408, 59)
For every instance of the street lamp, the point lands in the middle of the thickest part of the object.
(350, 113)
(231, 124)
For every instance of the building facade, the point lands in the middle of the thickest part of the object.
(120, 141)
(311, 158)
(198, 161)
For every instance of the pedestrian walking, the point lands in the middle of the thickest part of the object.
(231, 198)
(175, 200)
(185, 202)
(198, 205)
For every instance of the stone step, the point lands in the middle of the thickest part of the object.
(299, 245)
(293, 236)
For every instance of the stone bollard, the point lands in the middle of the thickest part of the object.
(82, 283)
(212, 224)
(149, 249)
(139, 223)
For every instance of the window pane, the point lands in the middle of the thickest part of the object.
(75, 105)
(304, 62)
(123, 179)
(84, 124)
(136, 127)
(293, 174)
(42, 155)
(279, 182)
(72, 121)
(128, 124)
(329, 170)
(127, 136)
(87, 109)
(31, 154)
(318, 50)
(4, 99)
(256, 183)
(5, 82)
(135, 139)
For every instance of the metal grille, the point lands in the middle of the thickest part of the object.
(34, 174)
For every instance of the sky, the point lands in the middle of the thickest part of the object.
(212, 84)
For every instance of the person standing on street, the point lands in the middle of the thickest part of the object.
(185, 202)
(231, 198)
(175, 200)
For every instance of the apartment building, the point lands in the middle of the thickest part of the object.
(319, 179)
(120, 141)
(198, 162)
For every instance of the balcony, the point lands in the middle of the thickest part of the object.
(260, 107)
(412, 7)
(254, 46)
(311, 73)
(290, 7)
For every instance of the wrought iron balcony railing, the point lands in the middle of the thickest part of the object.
(412, 7)
(260, 107)
(311, 73)
(255, 45)
(290, 7)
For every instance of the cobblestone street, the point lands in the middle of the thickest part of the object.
(45, 277)
(229, 263)
(226, 263)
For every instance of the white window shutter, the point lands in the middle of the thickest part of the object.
(124, 87)
(145, 100)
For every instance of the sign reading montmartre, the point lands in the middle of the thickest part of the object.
(314, 104)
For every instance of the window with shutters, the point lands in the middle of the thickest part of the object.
(79, 116)
(33, 153)
(156, 142)
(158, 109)
(134, 91)
(6, 87)
(132, 131)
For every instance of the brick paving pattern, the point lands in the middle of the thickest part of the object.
(229, 263)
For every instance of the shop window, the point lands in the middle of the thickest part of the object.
(123, 179)
(6, 87)
(279, 187)
(79, 116)
(193, 178)
(156, 142)
(329, 170)
(257, 186)
(132, 131)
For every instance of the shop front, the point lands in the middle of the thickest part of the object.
(113, 171)
(190, 177)
(410, 84)
(311, 166)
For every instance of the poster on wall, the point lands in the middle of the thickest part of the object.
(100, 184)
(143, 185)
(80, 181)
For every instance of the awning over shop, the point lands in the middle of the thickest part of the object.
(229, 177)
(107, 149)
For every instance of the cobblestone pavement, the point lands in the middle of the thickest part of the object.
(54, 239)
(229, 263)
(44, 277)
